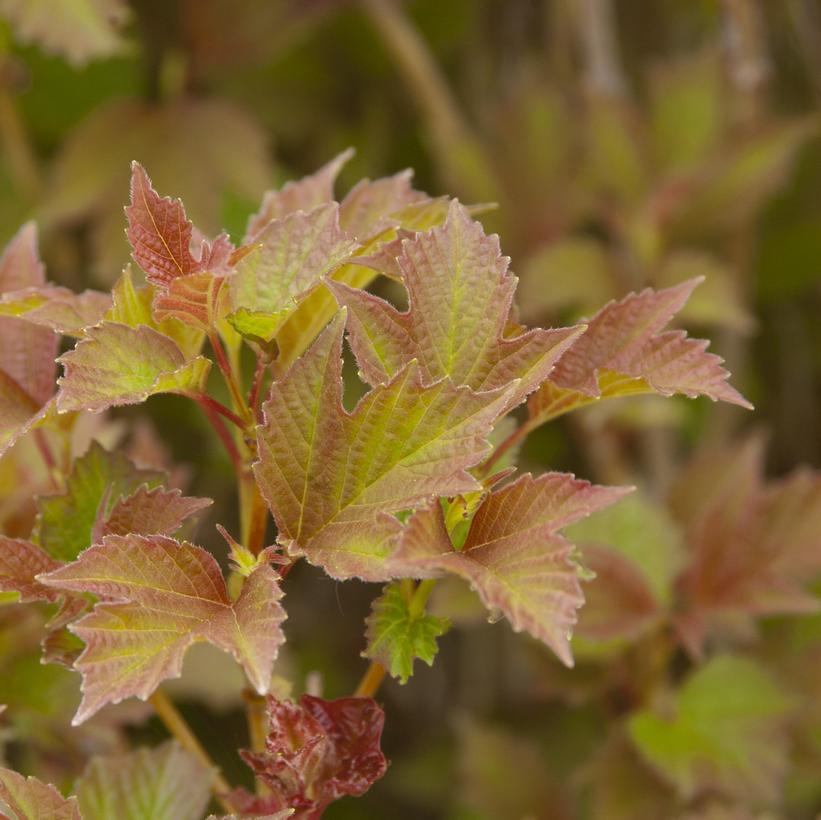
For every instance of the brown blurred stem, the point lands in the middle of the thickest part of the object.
(371, 680)
(177, 726)
(22, 163)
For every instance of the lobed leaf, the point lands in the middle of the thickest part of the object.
(300, 195)
(396, 635)
(116, 364)
(20, 563)
(331, 479)
(727, 732)
(513, 555)
(163, 783)
(98, 481)
(624, 352)
(318, 751)
(460, 296)
(57, 308)
(28, 798)
(157, 597)
(290, 255)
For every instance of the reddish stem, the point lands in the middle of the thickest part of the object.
(256, 387)
(219, 407)
(228, 374)
(222, 431)
(511, 441)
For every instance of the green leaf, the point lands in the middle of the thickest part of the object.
(56, 308)
(116, 364)
(289, 256)
(726, 732)
(163, 783)
(513, 555)
(157, 597)
(79, 30)
(97, 482)
(460, 295)
(397, 634)
(28, 798)
(332, 479)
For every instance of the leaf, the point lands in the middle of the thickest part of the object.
(157, 597)
(726, 733)
(754, 546)
(159, 232)
(513, 556)
(163, 783)
(97, 483)
(79, 30)
(20, 563)
(290, 256)
(26, 352)
(624, 352)
(460, 295)
(28, 798)
(56, 308)
(132, 306)
(116, 364)
(318, 751)
(300, 195)
(193, 299)
(154, 511)
(397, 635)
(331, 478)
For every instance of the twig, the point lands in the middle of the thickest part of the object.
(177, 726)
(222, 431)
(204, 399)
(371, 680)
(229, 376)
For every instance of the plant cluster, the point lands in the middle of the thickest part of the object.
(402, 489)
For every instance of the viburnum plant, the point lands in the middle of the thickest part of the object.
(401, 490)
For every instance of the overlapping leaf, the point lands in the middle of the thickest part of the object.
(20, 563)
(157, 597)
(163, 783)
(98, 482)
(26, 351)
(332, 479)
(289, 256)
(116, 364)
(754, 547)
(57, 308)
(625, 351)
(28, 798)
(397, 634)
(513, 555)
(726, 734)
(460, 295)
(318, 751)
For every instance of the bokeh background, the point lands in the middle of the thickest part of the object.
(625, 143)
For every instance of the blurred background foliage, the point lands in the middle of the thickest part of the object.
(626, 144)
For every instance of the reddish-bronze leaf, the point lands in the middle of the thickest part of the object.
(28, 798)
(20, 563)
(157, 597)
(318, 751)
(513, 555)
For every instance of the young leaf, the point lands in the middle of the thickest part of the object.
(332, 478)
(754, 546)
(159, 232)
(727, 734)
(624, 351)
(80, 30)
(155, 511)
(513, 555)
(28, 798)
(18, 411)
(116, 364)
(396, 635)
(300, 195)
(289, 256)
(157, 597)
(318, 751)
(20, 563)
(26, 351)
(163, 783)
(57, 308)
(460, 295)
(98, 481)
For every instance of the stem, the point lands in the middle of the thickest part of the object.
(517, 436)
(597, 32)
(256, 387)
(219, 407)
(225, 436)
(416, 607)
(177, 726)
(48, 458)
(257, 719)
(371, 680)
(229, 376)
(22, 162)
(257, 521)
